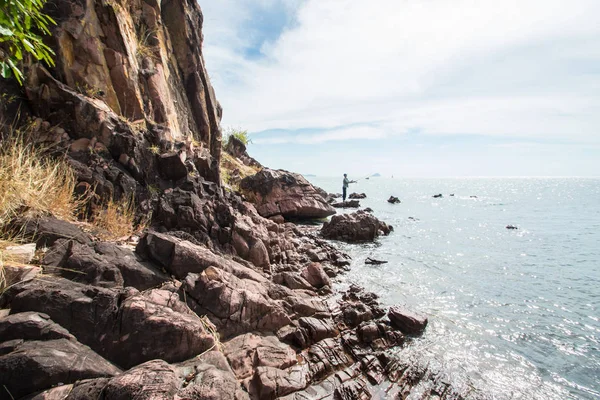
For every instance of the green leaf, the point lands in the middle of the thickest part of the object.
(5, 31)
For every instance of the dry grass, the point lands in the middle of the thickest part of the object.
(117, 219)
(230, 164)
(32, 183)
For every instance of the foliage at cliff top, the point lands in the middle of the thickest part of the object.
(238, 133)
(21, 23)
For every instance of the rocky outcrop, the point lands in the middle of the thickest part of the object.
(393, 200)
(26, 367)
(346, 204)
(237, 149)
(278, 192)
(357, 196)
(407, 321)
(359, 226)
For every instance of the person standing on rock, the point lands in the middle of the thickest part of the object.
(345, 186)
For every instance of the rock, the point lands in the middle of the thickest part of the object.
(180, 257)
(368, 209)
(208, 377)
(292, 280)
(316, 276)
(47, 230)
(237, 148)
(14, 274)
(172, 165)
(271, 383)
(372, 261)
(359, 226)
(437, 196)
(473, 197)
(511, 227)
(31, 326)
(278, 192)
(451, 194)
(38, 365)
(248, 351)
(346, 204)
(136, 273)
(277, 219)
(393, 200)
(357, 196)
(22, 254)
(80, 263)
(134, 327)
(105, 264)
(235, 305)
(148, 330)
(407, 321)
(154, 379)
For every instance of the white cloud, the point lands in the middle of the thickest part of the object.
(510, 67)
(346, 133)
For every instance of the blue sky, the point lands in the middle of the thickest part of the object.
(416, 88)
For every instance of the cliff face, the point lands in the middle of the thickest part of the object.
(135, 61)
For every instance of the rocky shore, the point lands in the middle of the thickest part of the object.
(220, 297)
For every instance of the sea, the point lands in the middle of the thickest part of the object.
(513, 312)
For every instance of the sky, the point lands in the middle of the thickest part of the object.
(414, 88)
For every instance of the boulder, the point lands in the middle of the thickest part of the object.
(22, 254)
(511, 227)
(47, 230)
(271, 383)
(393, 200)
(279, 192)
(31, 326)
(357, 196)
(154, 379)
(122, 325)
(359, 226)
(407, 321)
(38, 365)
(18, 273)
(235, 305)
(346, 204)
(316, 276)
(437, 196)
(172, 165)
(248, 351)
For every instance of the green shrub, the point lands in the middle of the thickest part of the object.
(238, 133)
(19, 22)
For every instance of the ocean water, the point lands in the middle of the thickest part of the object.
(515, 313)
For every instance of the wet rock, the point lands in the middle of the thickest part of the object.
(511, 227)
(407, 321)
(31, 326)
(357, 196)
(437, 196)
(346, 204)
(278, 192)
(393, 200)
(359, 226)
(372, 261)
(38, 365)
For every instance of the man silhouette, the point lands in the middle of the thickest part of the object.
(345, 186)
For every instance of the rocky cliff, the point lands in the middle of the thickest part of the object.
(213, 300)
